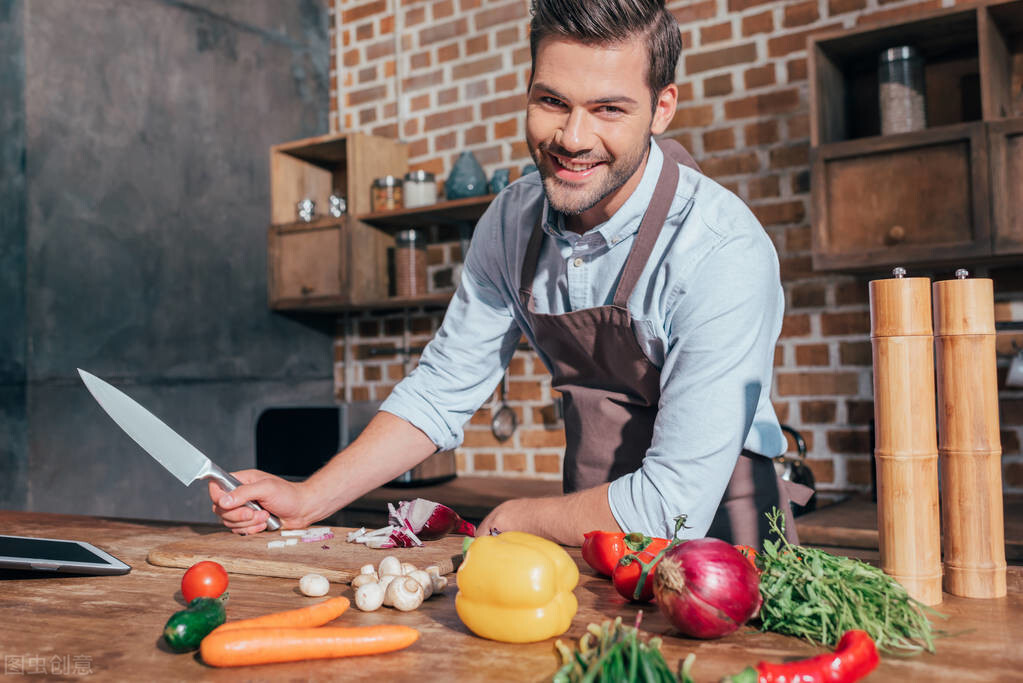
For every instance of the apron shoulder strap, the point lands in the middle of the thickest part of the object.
(532, 257)
(649, 229)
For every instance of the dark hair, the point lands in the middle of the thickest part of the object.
(605, 22)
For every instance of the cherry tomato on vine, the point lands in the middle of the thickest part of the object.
(204, 579)
(750, 553)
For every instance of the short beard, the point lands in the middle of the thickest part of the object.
(561, 197)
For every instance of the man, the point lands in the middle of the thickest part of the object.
(649, 292)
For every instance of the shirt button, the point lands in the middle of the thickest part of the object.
(614, 240)
(578, 262)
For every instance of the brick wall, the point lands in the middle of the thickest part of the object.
(449, 75)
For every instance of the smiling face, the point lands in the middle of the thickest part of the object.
(589, 122)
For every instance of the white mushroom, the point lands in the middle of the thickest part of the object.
(313, 585)
(383, 583)
(425, 580)
(368, 569)
(438, 581)
(369, 597)
(404, 593)
(389, 566)
(407, 568)
(363, 579)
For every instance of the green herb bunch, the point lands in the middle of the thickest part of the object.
(611, 652)
(814, 595)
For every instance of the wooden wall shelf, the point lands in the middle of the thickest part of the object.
(333, 265)
(446, 212)
(937, 197)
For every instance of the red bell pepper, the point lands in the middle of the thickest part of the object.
(603, 549)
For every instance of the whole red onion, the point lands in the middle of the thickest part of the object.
(706, 588)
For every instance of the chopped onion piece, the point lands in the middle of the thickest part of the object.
(276, 544)
(427, 519)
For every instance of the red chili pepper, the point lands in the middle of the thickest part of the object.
(603, 549)
(854, 657)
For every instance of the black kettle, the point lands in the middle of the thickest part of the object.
(795, 469)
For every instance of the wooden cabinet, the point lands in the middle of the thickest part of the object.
(328, 262)
(1006, 144)
(339, 264)
(938, 196)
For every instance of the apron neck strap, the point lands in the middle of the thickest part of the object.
(649, 229)
(646, 237)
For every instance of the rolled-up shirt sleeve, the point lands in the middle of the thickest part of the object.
(461, 366)
(716, 378)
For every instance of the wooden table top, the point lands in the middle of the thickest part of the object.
(111, 626)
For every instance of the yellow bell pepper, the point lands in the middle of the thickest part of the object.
(516, 588)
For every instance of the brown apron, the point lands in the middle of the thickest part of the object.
(611, 389)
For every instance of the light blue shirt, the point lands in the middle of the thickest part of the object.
(707, 310)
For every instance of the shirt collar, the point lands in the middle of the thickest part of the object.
(626, 220)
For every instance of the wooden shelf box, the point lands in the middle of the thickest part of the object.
(940, 196)
(329, 263)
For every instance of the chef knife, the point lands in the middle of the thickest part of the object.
(167, 447)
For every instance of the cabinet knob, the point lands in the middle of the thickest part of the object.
(896, 234)
(306, 290)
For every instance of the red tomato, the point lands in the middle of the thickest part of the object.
(203, 580)
(627, 575)
(603, 549)
(750, 553)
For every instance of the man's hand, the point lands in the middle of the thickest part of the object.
(505, 517)
(284, 498)
(563, 519)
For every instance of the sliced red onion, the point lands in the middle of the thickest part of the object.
(428, 520)
(387, 537)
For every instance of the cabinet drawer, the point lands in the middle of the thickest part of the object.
(915, 198)
(309, 263)
(326, 264)
(1006, 144)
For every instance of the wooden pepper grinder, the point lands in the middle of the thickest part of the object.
(969, 443)
(906, 448)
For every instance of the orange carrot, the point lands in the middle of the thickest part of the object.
(314, 615)
(268, 645)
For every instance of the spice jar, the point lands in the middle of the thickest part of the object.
(900, 78)
(387, 195)
(338, 204)
(410, 263)
(420, 189)
(306, 209)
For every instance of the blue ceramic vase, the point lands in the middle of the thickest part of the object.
(499, 180)
(466, 179)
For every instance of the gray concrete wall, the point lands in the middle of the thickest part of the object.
(147, 126)
(13, 453)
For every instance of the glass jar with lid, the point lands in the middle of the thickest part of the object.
(387, 193)
(420, 189)
(900, 78)
(409, 263)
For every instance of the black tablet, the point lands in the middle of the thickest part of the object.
(57, 555)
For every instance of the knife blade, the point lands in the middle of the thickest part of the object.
(170, 449)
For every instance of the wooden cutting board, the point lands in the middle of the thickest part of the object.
(339, 562)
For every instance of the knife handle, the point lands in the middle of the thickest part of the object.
(228, 482)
